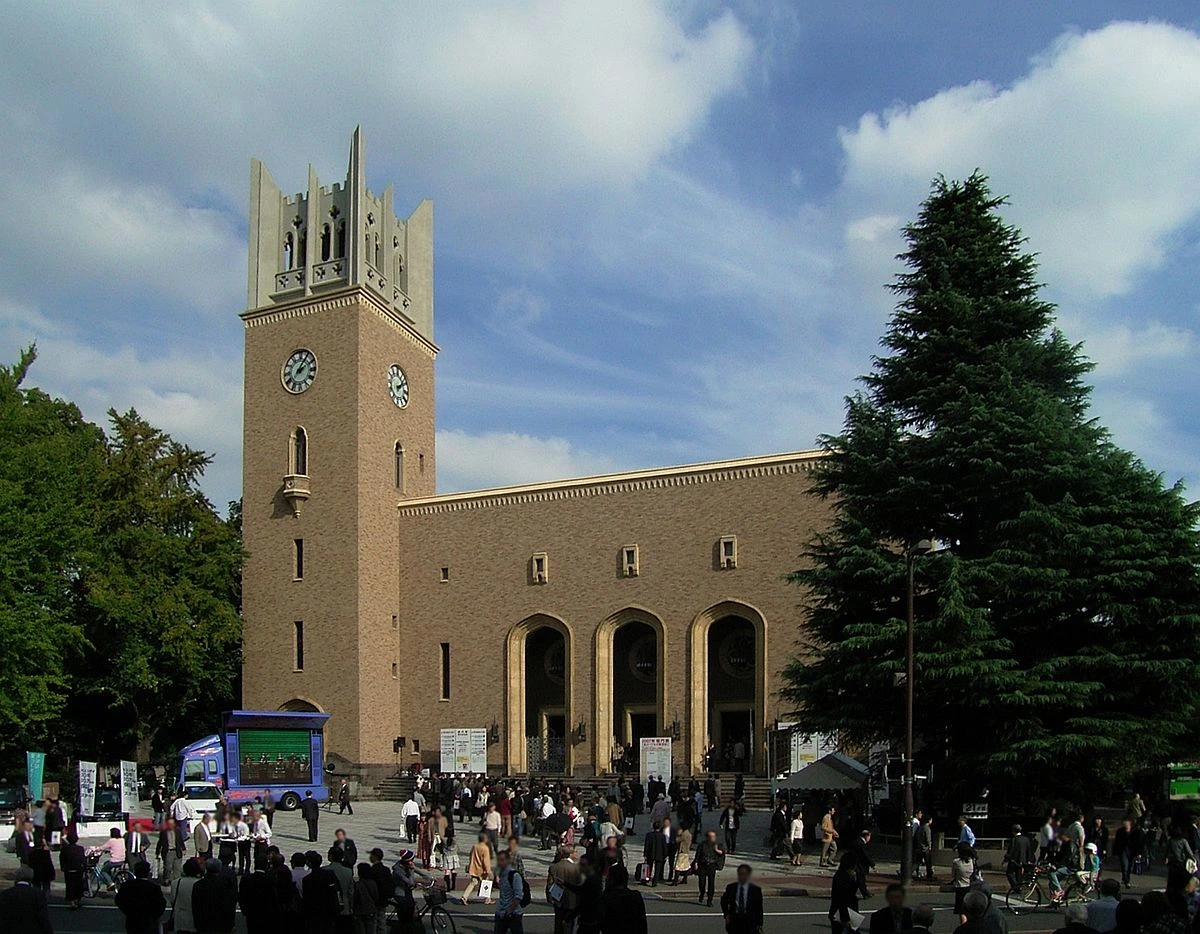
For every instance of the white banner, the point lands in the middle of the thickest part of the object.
(656, 758)
(129, 787)
(87, 787)
(463, 750)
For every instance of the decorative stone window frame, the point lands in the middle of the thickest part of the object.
(727, 552)
(539, 568)
(631, 564)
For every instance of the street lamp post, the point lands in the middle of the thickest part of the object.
(924, 546)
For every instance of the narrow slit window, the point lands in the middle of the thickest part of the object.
(298, 559)
(445, 575)
(395, 670)
(298, 639)
(399, 466)
(299, 463)
(445, 671)
(326, 242)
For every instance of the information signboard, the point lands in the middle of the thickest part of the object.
(656, 758)
(463, 750)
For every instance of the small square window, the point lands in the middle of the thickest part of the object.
(629, 560)
(445, 575)
(297, 559)
(728, 552)
(539, 568)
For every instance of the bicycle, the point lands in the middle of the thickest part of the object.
(440, 919)
(1029, 895)
(94, 882)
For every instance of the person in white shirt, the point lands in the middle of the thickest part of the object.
(260, 830)
(241, 834)
(410, 819)
(184, 814)
(797, 837)
(548, 810)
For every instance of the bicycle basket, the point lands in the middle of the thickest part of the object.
(436, 896)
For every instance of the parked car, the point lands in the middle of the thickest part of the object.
(107, 805)
(205, 796)
(12, 797)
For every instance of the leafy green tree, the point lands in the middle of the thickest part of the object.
(49, 457)
(1058, 623)
(161, 598)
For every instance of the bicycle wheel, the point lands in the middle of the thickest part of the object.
(441, 921)
(121, 876)
(1026, 898)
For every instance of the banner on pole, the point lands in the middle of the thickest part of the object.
(656, 758)
(129, 786)
(35, 768)
(87, 788)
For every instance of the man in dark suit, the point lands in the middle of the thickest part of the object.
(893, 917)
(141, 901)
(622, 911)
(258, 899)
(23, 908)
(214, 900)
(24, 841)
(742, 904)
(320, 896)
(659, 848)
(136, 843)
(311, 812)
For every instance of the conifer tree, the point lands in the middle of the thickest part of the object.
(1058, 621)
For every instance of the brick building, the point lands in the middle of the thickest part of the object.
(563, 617)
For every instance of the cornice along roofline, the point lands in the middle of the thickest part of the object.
(268, 314)
(604, 484)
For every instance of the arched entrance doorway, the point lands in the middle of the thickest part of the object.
(630, 687)
(731, 664)
(728, 697)
(539, 714)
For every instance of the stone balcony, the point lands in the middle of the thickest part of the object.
(296, 491)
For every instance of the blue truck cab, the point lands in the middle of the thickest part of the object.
(261, 750)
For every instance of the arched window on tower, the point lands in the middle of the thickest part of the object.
(341, 238)
(302, 258)
(289, 252)
(299, 452)
(399, 467)
(326, 242)
(378, 265)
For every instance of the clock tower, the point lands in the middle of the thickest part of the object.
(338, 428)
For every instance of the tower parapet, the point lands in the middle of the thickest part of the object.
(337, 237)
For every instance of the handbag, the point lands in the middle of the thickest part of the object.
(1190, 866)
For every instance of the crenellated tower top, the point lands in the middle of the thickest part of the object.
(332, 238)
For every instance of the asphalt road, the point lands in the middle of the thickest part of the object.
(793, 915)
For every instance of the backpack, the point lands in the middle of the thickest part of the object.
(525, 895)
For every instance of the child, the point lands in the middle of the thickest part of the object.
(449, 858)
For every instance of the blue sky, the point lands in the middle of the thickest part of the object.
(663, 229)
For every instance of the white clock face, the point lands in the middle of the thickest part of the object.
(299, 371)
(398, 385)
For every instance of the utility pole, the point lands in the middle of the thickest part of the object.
(924, 546)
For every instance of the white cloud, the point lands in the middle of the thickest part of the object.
(476, 461)
(194, 393)
(1120, 349)
(1096, 144)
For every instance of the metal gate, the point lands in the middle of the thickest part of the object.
(546, 754)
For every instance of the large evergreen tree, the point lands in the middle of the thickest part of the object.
(120, 585)
(1058, 623)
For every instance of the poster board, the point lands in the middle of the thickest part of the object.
(129, 786)
(655, 758)
(87, 788)
(463, 750)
